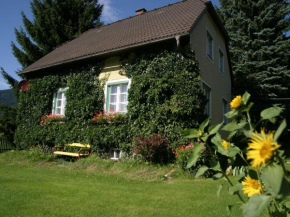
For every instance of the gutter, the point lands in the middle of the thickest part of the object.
(102, 53)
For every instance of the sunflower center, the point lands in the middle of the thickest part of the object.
(265, 151)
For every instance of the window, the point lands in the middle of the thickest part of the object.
(209, 45)
(115, 154)
(117, 96)
(221, 60)
(207, 93)
(225, 110)
(59, 102)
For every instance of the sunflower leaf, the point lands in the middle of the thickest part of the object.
(279, 131)
(256, 205)
(204, 125)
(232, 114)
(201, 171)
(235, 189)
(274, 180)
(189, 133)
(271, 113)
(219, 190)
(217, 176)
(195, 155)
(245, 98)
(214, 128)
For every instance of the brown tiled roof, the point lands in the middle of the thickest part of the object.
(159, 24)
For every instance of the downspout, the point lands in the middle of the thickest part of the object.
(177, 37)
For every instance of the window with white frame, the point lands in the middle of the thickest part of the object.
(209, 45)
(115, 154)
(207, 93)
(59, 102)
(225, 110)
(221, 61)
(117, 96)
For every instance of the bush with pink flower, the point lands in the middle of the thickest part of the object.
(109, 117)
(51, 118)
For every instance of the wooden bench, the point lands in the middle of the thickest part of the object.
(84, 150)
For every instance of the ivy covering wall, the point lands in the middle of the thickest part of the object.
(165, 97)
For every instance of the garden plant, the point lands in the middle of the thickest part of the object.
(264, 187)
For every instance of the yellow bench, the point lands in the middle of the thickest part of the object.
(84, 150)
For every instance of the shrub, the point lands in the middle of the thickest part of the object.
(183, 153)
(154, 148)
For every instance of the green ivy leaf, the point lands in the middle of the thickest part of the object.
(194, 156)
(189, 133)
(245, 98)
(201, 171)
(256, 205)
(271, 113)
(280, 129)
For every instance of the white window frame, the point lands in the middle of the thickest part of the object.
(208, 33)
(225, 102)
(107, 94)
(55, 99)
(115, 154)
(221, 66)
(205, 87)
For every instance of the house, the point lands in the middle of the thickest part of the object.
(190, 22)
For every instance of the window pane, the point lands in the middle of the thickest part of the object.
(112, 107)
(124, 88)
(58, 103)
(114, 89)
(113, 99)
(122, 107)
(59, 95)
(58, 111)
(117, 153)
(123, 98)
(112, 154)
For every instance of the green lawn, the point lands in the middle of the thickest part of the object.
(94, 188)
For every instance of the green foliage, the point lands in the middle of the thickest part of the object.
(8, 98)
(7, 122)
(264, 185)
(80, 108)
(165, 94)
(54, 22)
(259, 48)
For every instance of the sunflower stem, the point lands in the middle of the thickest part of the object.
(249, 121)
(242, 156)
(283, 165)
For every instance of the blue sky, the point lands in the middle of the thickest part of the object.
(10, 18)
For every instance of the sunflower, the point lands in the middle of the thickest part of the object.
(236, 102)
(251, 186)
(225, 144)
(261, 148)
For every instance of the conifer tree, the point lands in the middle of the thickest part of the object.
(54, 22)
(259, 47)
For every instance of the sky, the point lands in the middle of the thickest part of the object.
(10, 18)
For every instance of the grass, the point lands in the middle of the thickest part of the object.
(33, 186)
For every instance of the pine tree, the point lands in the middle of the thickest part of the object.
(259, 47)
(54, 22)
